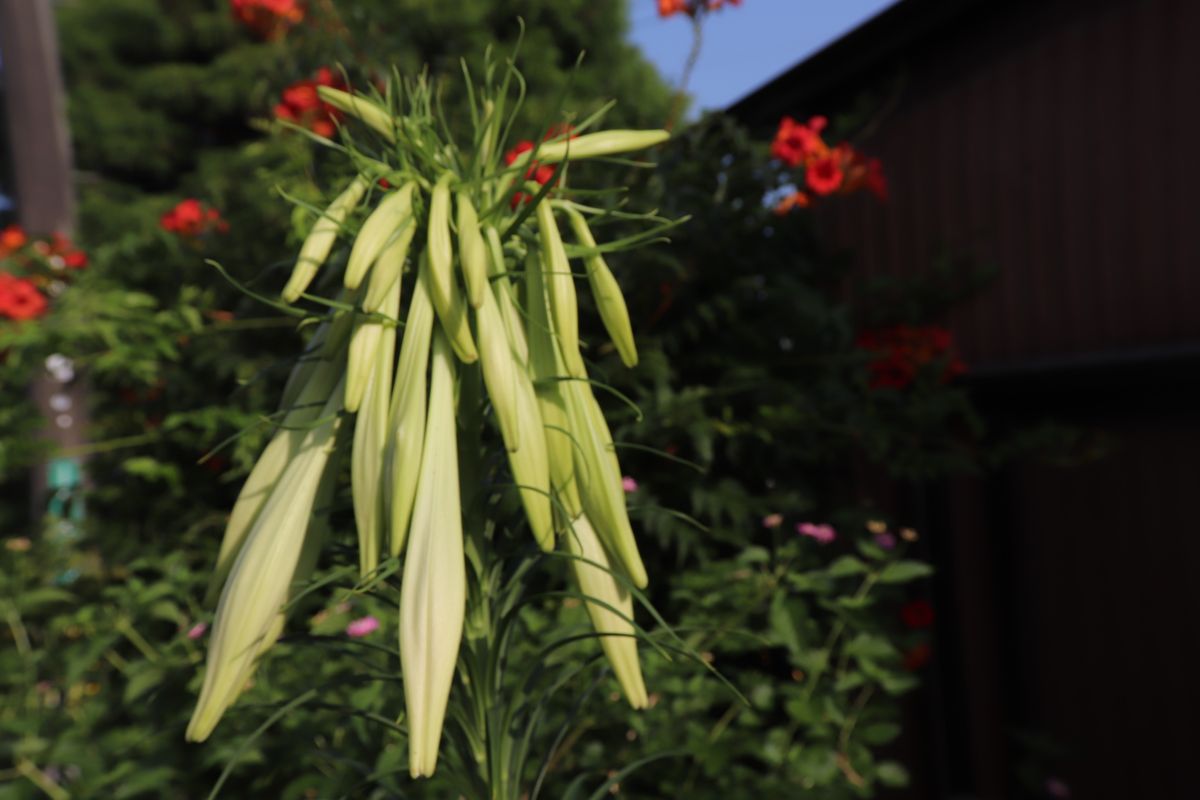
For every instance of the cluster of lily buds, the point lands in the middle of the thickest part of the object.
(485, 281)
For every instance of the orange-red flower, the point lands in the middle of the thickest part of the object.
(61, 253)
(191, 218)
(827, 170)
(20, 299)
(12, 238)
(824, 175)
(917, 657)
(861, 172)
(917, 614)
(541, 173)
(793, 200)
(268, 19)
(667, 8)
(903, 350)
(797, 143)
(300, 104)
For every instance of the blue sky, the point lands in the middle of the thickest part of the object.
(744, 46)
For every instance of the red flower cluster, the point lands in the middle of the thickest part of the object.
(827, 170)
(917, 657)
(12, 238)
(541, 173)
(20, 299)
(667, 8)
(191, 218)
(58, 252)
(917, 614)
(300, 104)
(903, 350)
(268, 19)
(30, 266)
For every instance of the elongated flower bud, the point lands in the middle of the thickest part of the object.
(360, 356)
(472, 252)
(545, 368)
(612, 616)
(369, 112)
(514, 323)
(607, 293)
(377, 232)
(531, 465)
(328, 340)
(389, 267)
(320, 239)
(326, 372)
(593, 145)
(560, 286)
(499, 370)
(599, 479)
(260, 579)
(520, 421)
(370, 444)
(310, 551)
(447, 300)
(406, 434)
(433, 593)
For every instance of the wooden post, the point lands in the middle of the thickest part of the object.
(40, 149)
(37, 126)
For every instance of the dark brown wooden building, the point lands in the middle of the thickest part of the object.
(1055, 140)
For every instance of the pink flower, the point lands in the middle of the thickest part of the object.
(1057, 788)
(822, 533)
(197, 630)
(629, 484)
(772, 520)
(362, 627)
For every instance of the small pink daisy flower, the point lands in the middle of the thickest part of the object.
(629, 484)
(197, 630)
(822, 533)
(1057, 788)
(362, 627)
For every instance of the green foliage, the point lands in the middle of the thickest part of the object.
(753, 400)
(802, 637)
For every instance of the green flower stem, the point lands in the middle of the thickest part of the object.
(835, 633)
(109, 445)
(725, 721)
(247, 325)
(39, 779)
(860, 703)
(114, 658)
(138, 640)
(20, 635)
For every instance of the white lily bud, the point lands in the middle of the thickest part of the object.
(433, 593)
(560, 286)
(258, 584)
(371, 114)
(607, 293)
(384, 225)
(612, 616)
(320, 239)
(447, 300)
(406, 434)
(594, 145)
(370, 443)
